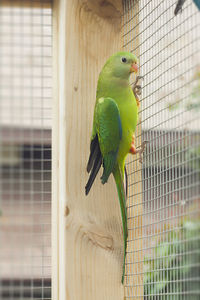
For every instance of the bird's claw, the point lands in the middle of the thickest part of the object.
(137, 89)
(141, 150)
(138, 78)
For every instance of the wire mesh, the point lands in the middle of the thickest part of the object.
(163, 254)
(25, 149)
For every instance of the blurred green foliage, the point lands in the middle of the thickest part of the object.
(193, 156)
(172, 270)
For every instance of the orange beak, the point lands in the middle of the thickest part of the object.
(134, 68)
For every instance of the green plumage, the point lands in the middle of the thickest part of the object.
(108, 127)
(115, 120)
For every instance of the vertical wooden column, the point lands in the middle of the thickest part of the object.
(87, 231)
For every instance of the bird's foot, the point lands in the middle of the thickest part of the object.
(133, 149)
(137, 89)
(141, 150)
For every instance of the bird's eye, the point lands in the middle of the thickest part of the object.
(124, 60)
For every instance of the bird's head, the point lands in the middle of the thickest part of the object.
(121, 65)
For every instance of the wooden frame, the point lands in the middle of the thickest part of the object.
(87, 240)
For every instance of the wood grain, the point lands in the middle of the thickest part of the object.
(56, 212)
(90, 246)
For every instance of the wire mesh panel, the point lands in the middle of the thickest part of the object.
(25, 149)
(163, 262)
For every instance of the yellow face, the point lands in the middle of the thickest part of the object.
(122, 64)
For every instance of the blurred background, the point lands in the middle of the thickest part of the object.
(164, 262)
(25, 149)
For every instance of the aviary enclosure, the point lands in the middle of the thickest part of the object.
(56, 243)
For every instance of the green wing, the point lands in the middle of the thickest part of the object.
(109, 132)
(106, 136)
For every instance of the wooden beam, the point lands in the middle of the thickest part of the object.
(87, 231)
(56, 212)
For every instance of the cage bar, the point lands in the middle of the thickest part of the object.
(168, 50)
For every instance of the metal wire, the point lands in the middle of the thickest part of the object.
(25, 149)
(163, 252)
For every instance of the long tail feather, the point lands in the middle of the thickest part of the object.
(94, 163)
(122, 201)
(126, 181)
(93, 174)
(94, 150)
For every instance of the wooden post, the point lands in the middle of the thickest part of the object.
(87, 231)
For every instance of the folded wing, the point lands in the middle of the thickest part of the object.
(105, 145)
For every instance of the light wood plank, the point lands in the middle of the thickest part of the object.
(55, 212)
(90, 246)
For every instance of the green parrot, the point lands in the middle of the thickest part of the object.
(114, 124)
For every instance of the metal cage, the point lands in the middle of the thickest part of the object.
(164, 262)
